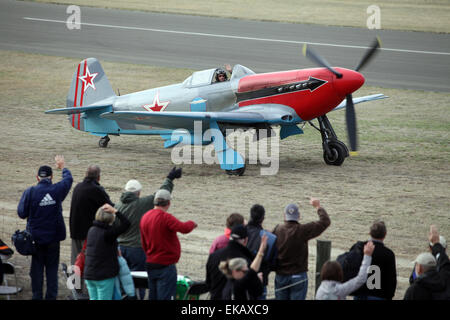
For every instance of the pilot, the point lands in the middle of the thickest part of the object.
(221, 74)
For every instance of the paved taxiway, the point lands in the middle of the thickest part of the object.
(414, 60)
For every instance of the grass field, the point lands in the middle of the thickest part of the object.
(415, 15)
(401, 174)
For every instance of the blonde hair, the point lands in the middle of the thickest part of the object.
(104, 216)
(233, 264)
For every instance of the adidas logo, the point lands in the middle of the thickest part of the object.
(47, 201)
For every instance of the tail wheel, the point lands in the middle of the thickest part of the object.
(338, 153)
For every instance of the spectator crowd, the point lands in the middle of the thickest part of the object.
(137, 233)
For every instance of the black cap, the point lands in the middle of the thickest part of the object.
(239, 232)
(45, 172)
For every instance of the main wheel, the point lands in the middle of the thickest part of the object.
(103, 142)
(236, 172)
(338, 153)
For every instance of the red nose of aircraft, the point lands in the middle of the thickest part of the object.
(350, 81)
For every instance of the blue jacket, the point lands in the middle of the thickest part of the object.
(255, 233)
(124, 280)
(42, 205)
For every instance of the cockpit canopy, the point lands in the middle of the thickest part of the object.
(207, 77)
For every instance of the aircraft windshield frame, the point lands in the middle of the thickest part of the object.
(240, 71)
(201, 78)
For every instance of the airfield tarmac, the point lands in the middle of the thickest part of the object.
(400, 175)
(411, 60)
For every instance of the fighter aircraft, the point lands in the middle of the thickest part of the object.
(245, 101)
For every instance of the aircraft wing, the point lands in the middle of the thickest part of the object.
(265, 113)
(372, 97)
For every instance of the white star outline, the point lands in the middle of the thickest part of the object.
(156, 103)
(88, 79)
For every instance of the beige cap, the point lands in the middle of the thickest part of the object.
(133, 186)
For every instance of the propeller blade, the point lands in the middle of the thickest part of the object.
(315, 57)
(376, 44)
(350, 118)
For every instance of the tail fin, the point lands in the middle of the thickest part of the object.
(89, 86)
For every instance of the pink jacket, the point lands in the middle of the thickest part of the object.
(221, 241)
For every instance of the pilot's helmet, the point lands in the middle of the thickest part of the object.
(220, 72)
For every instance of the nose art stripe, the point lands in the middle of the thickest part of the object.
(311, 84)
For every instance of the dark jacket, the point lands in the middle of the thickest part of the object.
(292, 243)
(255, 232)
(215, 279)
(426, 287)
(42, 205)
(1, 273)
(443, 267)
(435, 283)
(87, 197)
(134, 208)
(101, 250)
(384, 258)
(247, 288)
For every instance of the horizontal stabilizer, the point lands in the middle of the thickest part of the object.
(77, 110)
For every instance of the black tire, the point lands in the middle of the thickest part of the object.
(236, 172)
(103, 142)
(339, 151)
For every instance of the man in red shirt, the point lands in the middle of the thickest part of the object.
(162, 247)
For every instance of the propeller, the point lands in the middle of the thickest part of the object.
(350, 115)
(376, 44)
(312, 55)
(350, 119)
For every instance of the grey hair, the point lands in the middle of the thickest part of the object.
(104, 216)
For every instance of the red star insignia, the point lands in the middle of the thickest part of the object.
(156, 105)
(88, 79)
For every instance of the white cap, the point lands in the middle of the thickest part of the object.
(426, 259)
(133, 186)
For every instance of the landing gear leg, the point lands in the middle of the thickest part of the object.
(103, 142)
(230, 160)
(334, 151)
